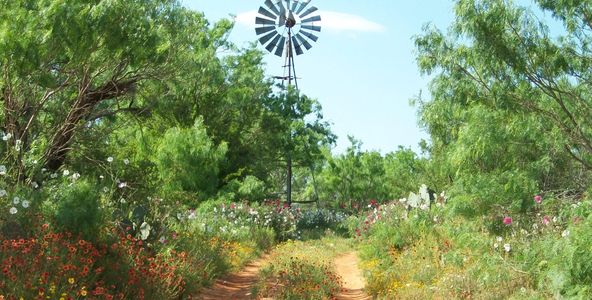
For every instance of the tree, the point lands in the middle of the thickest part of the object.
(294, 121)
(509, 103)
(66, 66)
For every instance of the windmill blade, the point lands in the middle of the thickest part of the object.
(309, 35)
(272, 6)
(309, 11)
(264, 39)
(297, 46)
(262, 21)
(262, 30)
(304, 42)
(267, 13)
(294, 5)
(311, 27)
(273, 43)
(302, 6)
(280, 48)
(282, 20)
(311, 19)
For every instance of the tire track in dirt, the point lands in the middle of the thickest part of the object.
(346, 266)
(236, 285)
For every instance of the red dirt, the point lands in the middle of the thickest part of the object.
(236, 285)
(346, 266)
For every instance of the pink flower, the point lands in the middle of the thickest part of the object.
(507, 220)
(546, 220)
(538, 199)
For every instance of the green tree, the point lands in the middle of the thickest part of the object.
(294, 122)
(509, 114)
(67, 66)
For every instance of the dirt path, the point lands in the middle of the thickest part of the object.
(236, 285)
(346, 266)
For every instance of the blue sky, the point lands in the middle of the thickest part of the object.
(362, 70)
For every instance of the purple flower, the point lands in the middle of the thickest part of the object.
(538, 199)
(507, 220)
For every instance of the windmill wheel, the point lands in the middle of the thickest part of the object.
(281, 20)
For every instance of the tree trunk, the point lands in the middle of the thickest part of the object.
(289, 182)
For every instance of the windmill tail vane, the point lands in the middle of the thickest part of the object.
(285, 27)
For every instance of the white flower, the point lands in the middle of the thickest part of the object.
(554, 219)
(53, 175)
(6, 136)
(507, 247)
(2, 170)
(101, 177)
(34, 184)
(25, 203)
(495, 245)
(17, 145)
(126, 161)
(2, 193)
(565, 233)
(499, 239)
(75, 176)
(110, 159)
(66, 173)
(122, 185)
(13, 210)
(16, 200)
(424, 206)
(35, 162)
(122, 201)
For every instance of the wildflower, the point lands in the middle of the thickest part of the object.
(507, 220)
(122, 185)
(75, 176)
(53, 175)
(17, 145)
(16, 200)
(6, 136)
(13, 210)
(2, 193)
(71, 280)
(495, 245)
(25, 203)
(565, 233)
(126, 161)
(546, 220)
(34, 184)
(162, 240)
(2, 170)
(110, 159)
(66, 173)
(83, 293)
(538, 199)
(122, 201)
(507, 247)
(499, 239)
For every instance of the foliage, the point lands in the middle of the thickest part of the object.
(187, 161)
(512, 122)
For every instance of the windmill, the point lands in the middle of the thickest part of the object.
(286, 27)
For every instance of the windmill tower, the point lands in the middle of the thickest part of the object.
(285, 27)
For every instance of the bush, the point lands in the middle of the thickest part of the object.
(78, 209)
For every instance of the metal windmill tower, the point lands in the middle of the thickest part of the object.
(286, 27)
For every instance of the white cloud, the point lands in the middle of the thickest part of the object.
(345, 22)
(332, 21)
